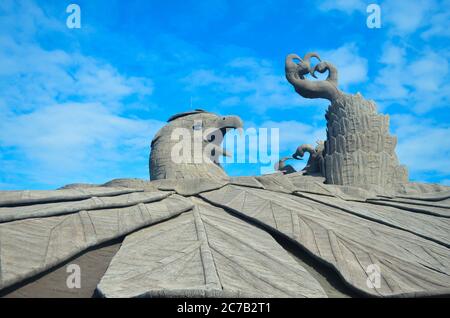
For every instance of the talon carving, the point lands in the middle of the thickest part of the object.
(283, 167)
(304, 67)
(295, 74)
(315, 162)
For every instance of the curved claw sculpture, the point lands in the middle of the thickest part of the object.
(304, 67)
(283, 167)
(315, 163)
(359, 150)
(295, 74)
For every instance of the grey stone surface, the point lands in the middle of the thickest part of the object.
(427, 226)
(211, 254)
(276, 182)
(444, 204)
(15, 198)
(78, 186)
(95, 203)
(410, 264)
(418, 189)
(246, 181)
(443, 211)
(341, 226)
(190, 186)
(134, 183)
(359, 150)
(316, 185)
(295, 72)
(28, 247)
(93, 265)
(306, 183)
(432, 196)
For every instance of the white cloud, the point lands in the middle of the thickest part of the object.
(428, 17)
(74, 142)
(438, 23)
(31, 76)
(25, 19)
(347, 6)
(393, 55)
(291, 134)
(260, 85)
(60, 111)
(351, 66)
(405, 17)
(256, 82)
(421, 83)
(401, 17)
(294, 133)
(424, 146)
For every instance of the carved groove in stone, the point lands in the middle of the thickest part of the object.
(94, 203)
(205, 253)
(410, 265)
(15, 198)
(28, 247)
(426, 226)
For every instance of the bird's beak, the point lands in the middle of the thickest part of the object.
(224, 124)
(234, 122)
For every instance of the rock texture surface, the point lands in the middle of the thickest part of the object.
(93, 203)
(217, 240)
(92, 263)
(411, 264)
(359, 149)
(31, 246)
(211, 254)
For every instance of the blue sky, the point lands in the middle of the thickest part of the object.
(82, 105)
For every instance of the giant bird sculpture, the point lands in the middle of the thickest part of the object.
(194, 231)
